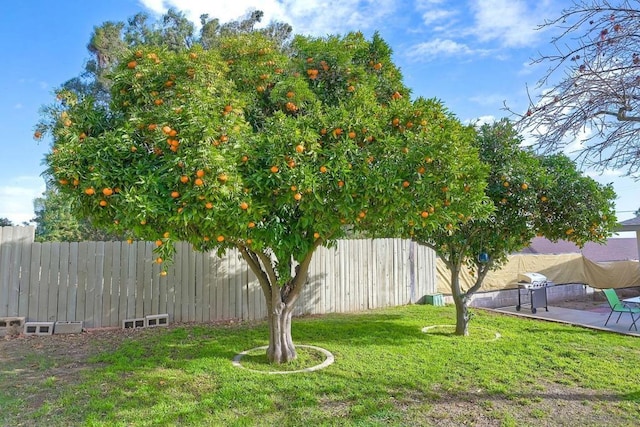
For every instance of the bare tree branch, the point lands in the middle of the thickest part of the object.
(589, 96)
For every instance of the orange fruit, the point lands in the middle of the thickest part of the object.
(199, 173)
(184, 179)
(163, 273)
(350, 88)
(244, 159)
(290, 94)
(396, 122)
(299, 148)
(103, 203)
(89, 191)
(165, 129)
(208, 205)
(377, 66)
(166, 235)
(63, 181)
(362, 214)
(396, 95)
(323, 169)
(198, 182)
(297, 196)
(524, 186)
(158, 242)
(424, 214)
(129, 241)
(340, 184)
(107, 191)
(175, 194)
(506, 183)
(251, 224)
(421, 170)
(244, 206)
(352, 134)
(220, 239)
(159, 260)
(37, 134)
(228, 108)
(158, 101)
(223, 177)
(274, 169)
(405, 184)
(193, 55)
(316, 235)
(132, 64)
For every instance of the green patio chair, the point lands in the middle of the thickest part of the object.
(618, 306)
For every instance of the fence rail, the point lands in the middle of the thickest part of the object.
(104, 283)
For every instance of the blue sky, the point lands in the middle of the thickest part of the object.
(473, 55)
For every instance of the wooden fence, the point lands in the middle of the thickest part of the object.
(103, 283)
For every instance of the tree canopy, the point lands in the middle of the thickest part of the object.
(532, 195)
(273, 150)
(590, 91)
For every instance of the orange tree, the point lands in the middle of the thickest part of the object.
(271, 151)
(531, 195)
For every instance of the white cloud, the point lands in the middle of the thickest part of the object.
(512, 23)
(439, 48)
(482, 120)
(315, 17)
(16, 198)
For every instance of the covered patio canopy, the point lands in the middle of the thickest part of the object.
(632, 224)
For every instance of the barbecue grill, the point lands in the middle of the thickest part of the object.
(534, 286)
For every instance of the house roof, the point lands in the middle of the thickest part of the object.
(618, 249)
(632, 224)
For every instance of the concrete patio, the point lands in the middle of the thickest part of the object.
(593, 318)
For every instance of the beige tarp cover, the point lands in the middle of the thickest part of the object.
(559, 269)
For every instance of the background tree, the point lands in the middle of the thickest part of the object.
(56, 221)
(591, 89)
(5, 222)
(274, 150)
(532, 196)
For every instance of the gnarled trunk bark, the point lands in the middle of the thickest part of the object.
(281, 348)
(461, 300)
(280, 300)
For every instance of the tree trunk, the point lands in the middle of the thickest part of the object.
(280, 300)
(460, 300)
(281, 348)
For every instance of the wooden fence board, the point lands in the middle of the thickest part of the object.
(72, 289)
(6, 252)
(25, 280)
(81, 298)
(34, 285)
(63, 283)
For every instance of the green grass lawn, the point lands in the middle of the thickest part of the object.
(387, 371)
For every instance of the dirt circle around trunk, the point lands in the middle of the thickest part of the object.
(494, 336)
(329, 359)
